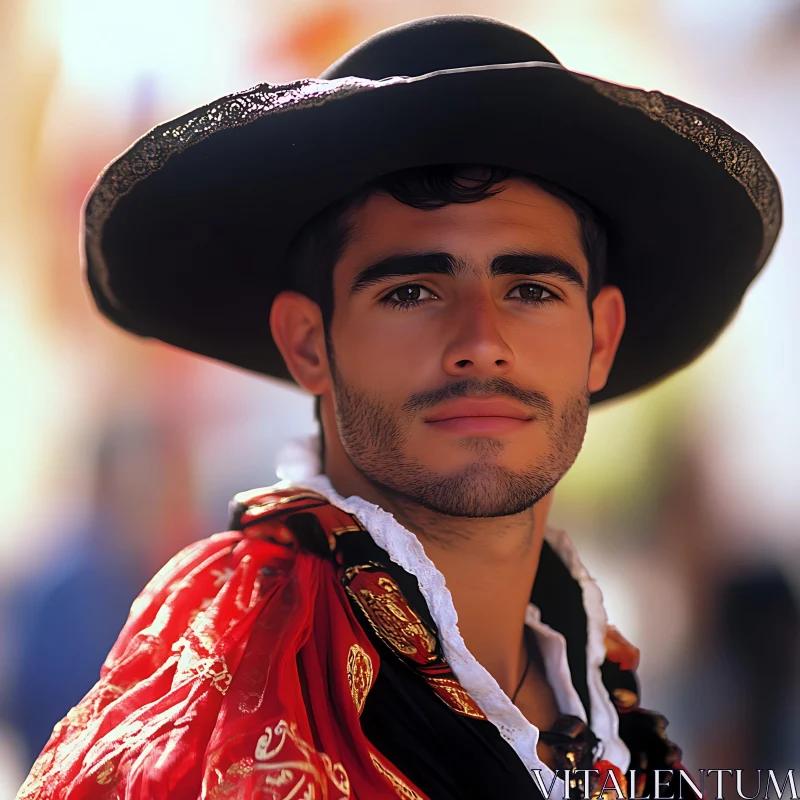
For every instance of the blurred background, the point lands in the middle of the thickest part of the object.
(116, 452)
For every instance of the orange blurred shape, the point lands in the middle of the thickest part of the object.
(319, 39)
(620, 650)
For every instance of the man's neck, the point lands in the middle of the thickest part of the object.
(489, 565)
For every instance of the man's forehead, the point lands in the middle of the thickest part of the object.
(522, 218)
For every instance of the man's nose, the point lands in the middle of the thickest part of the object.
(476, 345)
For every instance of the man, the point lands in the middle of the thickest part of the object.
(449, 233)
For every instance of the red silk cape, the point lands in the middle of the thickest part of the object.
(240, 673)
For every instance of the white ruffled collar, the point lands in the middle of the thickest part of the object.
(299, 466)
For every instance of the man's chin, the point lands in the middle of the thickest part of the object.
(480, 491)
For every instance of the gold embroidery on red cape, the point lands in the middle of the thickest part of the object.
(359, 674)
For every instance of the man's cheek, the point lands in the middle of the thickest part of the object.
(552, 357)
(371, 355)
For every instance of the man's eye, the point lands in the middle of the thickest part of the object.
(532, 293)
(408, 296)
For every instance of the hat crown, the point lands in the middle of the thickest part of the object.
(435, 43)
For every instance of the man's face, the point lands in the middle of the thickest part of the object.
(460, 349)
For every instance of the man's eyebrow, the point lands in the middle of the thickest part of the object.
(401, 266)
(407, 265)
(536, 264)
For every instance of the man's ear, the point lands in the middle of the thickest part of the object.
(608, 309)
(296, 324)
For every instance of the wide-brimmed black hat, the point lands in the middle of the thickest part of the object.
(185, 234)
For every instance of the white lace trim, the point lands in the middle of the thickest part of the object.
(605, 720)
(299, 466)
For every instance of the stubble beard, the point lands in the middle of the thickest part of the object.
(373, 435)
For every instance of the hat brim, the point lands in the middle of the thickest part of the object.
(186, 232)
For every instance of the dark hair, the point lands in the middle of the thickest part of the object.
(319, 245)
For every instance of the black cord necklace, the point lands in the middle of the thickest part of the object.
(522, 679)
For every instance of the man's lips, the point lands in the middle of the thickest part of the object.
(479, 416)
(474, 407)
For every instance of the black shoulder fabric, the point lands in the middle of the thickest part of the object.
(643, 731)
(615, 678)
(447, 755)
(560, 599)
